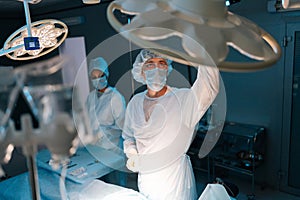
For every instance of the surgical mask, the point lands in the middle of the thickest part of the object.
(156, 78)
(100, 83)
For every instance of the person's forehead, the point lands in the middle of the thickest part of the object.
(97, 72)
(151, 60)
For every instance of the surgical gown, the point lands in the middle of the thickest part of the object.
(106, 112)
(154, 124)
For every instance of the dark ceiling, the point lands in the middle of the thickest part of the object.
(15, 8)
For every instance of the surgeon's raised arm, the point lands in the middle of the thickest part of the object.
(203, 92)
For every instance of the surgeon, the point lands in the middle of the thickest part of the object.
(106, 107)
(159, 121)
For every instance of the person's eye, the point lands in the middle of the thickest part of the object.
(150, 65)
(162, 65)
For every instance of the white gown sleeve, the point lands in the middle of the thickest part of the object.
(201, 95)
(118, 109)
(90, 106)
(127, 133)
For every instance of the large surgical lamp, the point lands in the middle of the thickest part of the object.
(34, 39)
(178, 28)
(91, 1)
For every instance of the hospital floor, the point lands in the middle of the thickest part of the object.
(261, 193)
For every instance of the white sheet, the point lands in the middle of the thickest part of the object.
(215, 192)
(97, 189)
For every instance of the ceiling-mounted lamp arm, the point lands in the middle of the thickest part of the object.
(27, 15)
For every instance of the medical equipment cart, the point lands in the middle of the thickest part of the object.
(240, 149)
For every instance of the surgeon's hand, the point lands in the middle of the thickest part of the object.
(132, 162)
(131, 152)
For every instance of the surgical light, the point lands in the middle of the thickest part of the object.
(91, 1)
(34, 39)
(32, 1)
(230, 2)
(48, 33)
(181, 29)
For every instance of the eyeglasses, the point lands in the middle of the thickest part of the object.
(153, 65)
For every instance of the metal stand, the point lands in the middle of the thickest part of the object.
(33, 177)
(29, 150)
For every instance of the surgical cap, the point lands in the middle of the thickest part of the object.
(141, 58)
(99, 64)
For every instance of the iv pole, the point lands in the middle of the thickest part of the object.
(28, 137)
(30, 149)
